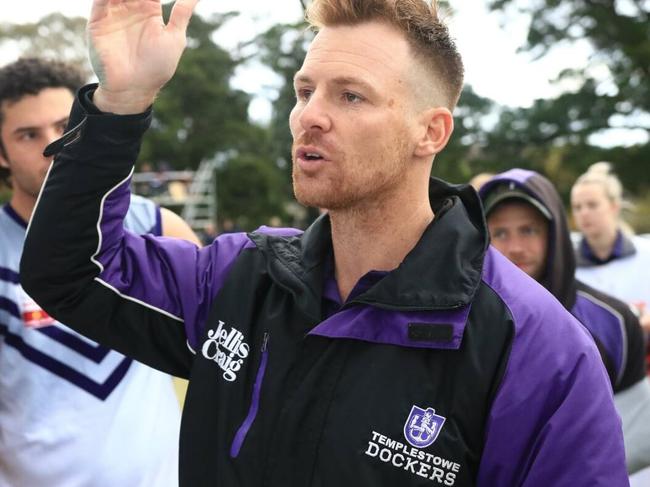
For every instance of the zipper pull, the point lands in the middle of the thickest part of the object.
(265, 341)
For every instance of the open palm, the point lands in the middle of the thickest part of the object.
(132, 51)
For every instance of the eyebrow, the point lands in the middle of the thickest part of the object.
(20, 130)
(339, 81)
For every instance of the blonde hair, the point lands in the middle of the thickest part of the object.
(418, 20)
(602, 173)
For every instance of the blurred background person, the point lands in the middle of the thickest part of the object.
(72, 413)
(480, 179)
(609, 256)
(527, 223)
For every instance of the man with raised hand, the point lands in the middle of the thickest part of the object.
(387, 344)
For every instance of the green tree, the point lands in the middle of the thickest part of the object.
(54, 36)
(619, 33)
(248, 192)
(282, 48)
(198, 113)
(466, 153)
(556, 135)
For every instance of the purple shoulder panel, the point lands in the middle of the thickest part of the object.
(171, 276)
(114, 207)
(553, 420)
(605, 324)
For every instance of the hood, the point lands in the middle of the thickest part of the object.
(559, 277)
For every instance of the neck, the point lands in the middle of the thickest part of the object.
(22, 204)
(602, 245)
(377, 236)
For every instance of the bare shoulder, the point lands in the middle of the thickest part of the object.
(174, 226)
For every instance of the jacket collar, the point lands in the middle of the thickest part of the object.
(623, 247)
(442, 272)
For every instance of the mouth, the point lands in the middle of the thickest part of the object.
(310, 159)
(309, 154)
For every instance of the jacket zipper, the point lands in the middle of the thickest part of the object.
(240, 436)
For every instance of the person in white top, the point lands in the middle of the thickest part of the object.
(72, 413)
(609, 256)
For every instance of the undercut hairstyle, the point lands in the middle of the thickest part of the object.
(29, 76)
(428, 37)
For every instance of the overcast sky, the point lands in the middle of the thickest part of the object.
(493, 66)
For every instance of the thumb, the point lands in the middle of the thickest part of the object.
(181, 14)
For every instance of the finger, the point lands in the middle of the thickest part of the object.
(98, 9)
(181, 14)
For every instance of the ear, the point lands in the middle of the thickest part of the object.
(3, 158)
(438, 124)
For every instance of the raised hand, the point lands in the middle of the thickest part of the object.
(133, 52)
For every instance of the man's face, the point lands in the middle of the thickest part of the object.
(520, 232)
(354, 118)
(593, 211)
(28, 126)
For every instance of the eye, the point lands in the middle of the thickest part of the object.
(352, 97)
(530, 231)
(499, 235)
(28, 135)
(303, 94)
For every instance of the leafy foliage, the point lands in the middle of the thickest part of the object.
(198, 113)
(54, 37)
(555, 136)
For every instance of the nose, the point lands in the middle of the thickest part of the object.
(579, 215)
(513, 247)
(314, 114)
(52, 134)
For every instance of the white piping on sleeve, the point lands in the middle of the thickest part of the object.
(38, 199)
(101, 267)
(138, 301)
(99, 221)
(621, 324)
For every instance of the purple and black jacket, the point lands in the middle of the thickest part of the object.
(454, 369)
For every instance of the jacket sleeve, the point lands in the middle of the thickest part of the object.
(552, 421)
(147, 297)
